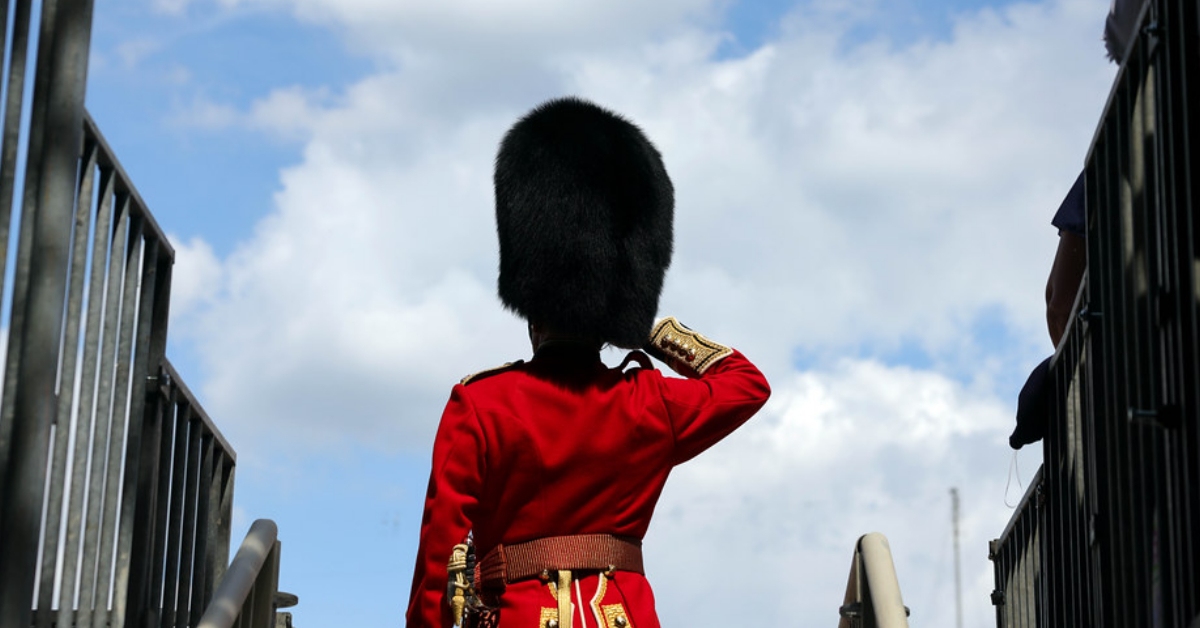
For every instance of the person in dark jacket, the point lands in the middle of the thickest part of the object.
(1070, 259)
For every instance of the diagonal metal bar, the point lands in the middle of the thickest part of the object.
(245, 570)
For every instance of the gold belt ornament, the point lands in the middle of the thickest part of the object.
(467, 609)
(564, 598)
(459, 586)
(562, 615)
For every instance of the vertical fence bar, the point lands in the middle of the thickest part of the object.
(18, 53)
(121, 424)
(183, 600)
(23, 478)
(138, 482)
(223, 531)
(138, 542)
(29, 203)
(200, 552)
(17, 48)
(104, 443)
(66, 393)
(182, 414)
(164, 407)
(1182, 98)
(86, 422)
(139, 529)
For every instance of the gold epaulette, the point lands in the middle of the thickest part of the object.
(682, 349)
(484, 374)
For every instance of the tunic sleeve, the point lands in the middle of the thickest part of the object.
(455, 482)
(706, 409)
(1072, 213)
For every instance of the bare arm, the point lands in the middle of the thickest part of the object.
(1063, 283)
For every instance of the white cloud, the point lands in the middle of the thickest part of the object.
(171, 7)
(828, 200)
(833, 199)
(288, 112)
(202, 113)
(482, 31)
(760, 530)
(195, 279)
(134, 51)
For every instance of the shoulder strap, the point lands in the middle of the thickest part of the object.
(486, 373)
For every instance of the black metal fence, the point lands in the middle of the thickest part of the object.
(115, 487)
(1018, 561)
(1111, 534)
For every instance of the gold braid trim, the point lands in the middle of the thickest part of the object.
(473, 377)
(564, 599)
(685, 351)
(601, 589)
(615, 616)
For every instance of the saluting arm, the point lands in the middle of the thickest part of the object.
(722, 391)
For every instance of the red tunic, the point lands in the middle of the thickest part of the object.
(564, 445)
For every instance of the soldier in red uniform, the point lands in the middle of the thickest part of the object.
(555, 465)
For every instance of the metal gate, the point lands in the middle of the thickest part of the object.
(116, 488)
(1110, 534)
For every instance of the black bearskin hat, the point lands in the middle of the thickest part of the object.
(584, 211)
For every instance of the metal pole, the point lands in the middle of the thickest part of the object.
(958, 615)
(34, 405)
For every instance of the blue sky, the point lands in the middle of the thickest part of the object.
(864, 190)
(149, 67)
(139, 94)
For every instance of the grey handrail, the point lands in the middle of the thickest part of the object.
(240, 590)
(873, 593)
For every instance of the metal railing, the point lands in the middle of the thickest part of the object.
(1017, 557)
(138, 480)
(873, 592)
(248, 596)
(1110, 535)
(35, 342)
(116, 488)
(184, 507)
(1042, 560)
